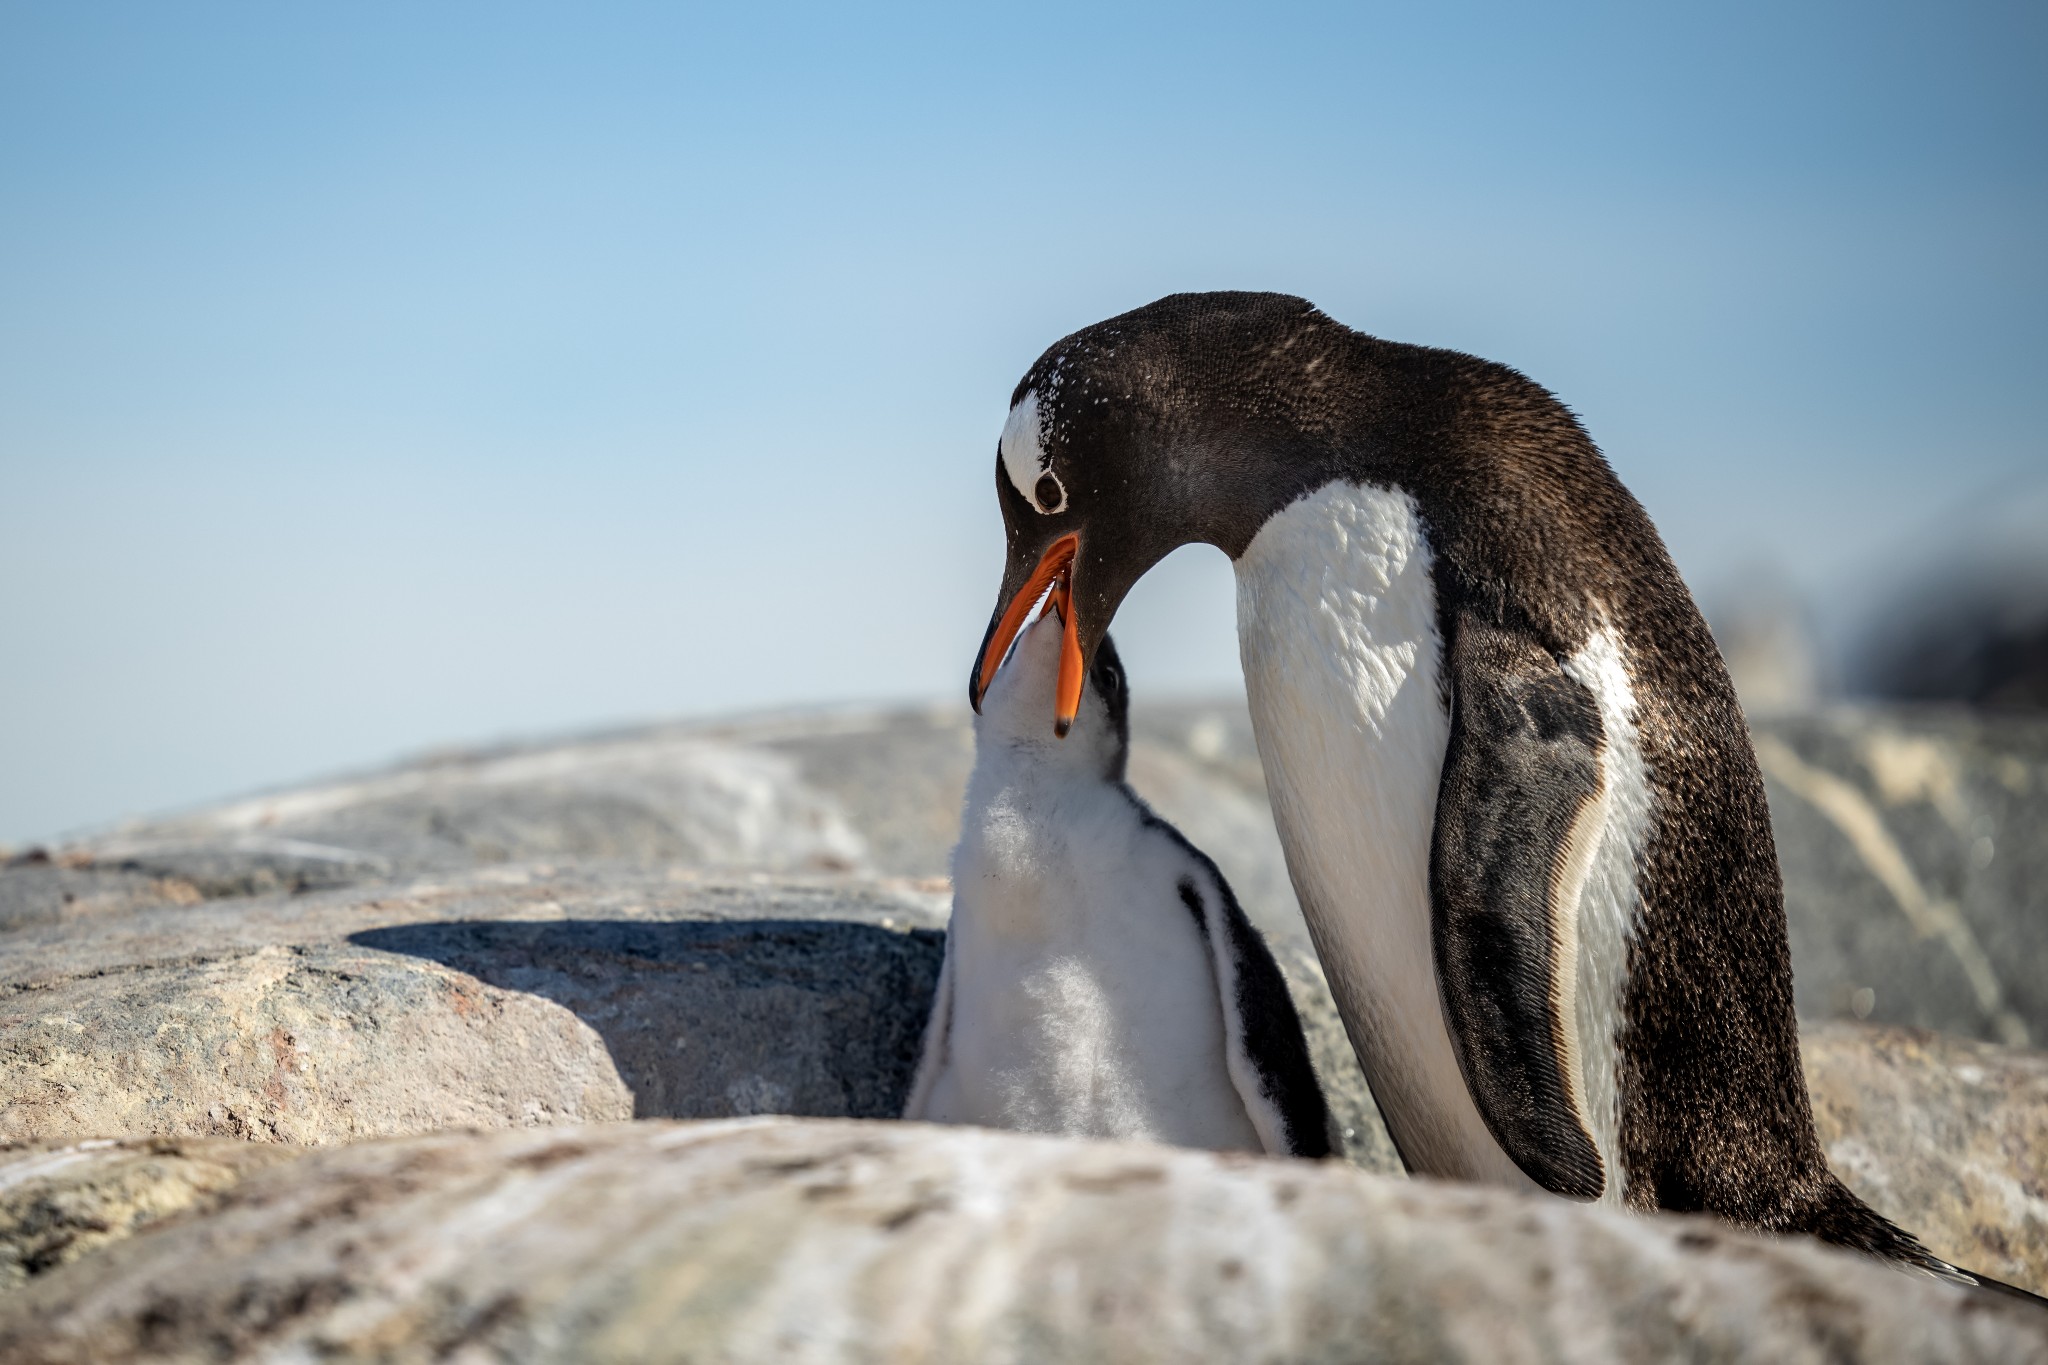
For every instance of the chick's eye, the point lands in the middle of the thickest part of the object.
(1109, 679)
(1048, 494)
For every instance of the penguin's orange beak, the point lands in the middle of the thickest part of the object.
(1054, 572)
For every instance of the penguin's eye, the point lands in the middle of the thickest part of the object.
(1048, 494)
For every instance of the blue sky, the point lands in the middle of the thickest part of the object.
(376, 377)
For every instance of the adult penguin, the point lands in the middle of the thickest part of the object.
(1515, 789)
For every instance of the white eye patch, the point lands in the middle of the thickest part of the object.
(1025, 460)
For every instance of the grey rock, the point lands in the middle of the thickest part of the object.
(242, 865)
(1915, 849)
(43, 891)
(833, 1241)
(661, 795)
(501, 997)
(859, 790)
(515, 996)
(519, 996)
(1913, 870)
(1942, 1134)
(1945, 1136)
(899, 776)
(735, 919)
(60, 1203)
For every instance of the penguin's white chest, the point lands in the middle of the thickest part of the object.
(1337, 626)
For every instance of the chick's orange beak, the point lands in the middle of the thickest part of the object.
(1055, 572)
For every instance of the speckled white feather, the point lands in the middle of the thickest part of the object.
(1022, 450)
(1337, 627)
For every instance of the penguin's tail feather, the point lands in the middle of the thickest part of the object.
(1841, 1218)
(2026, 1296)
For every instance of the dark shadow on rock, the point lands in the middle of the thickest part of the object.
(710, 1019)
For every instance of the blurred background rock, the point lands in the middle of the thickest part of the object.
(1766, 634)
(1965, 615)
(1958, 615)
(1977, 636)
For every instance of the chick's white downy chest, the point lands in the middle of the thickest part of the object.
(1083, 999)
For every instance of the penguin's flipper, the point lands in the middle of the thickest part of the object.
(938, 1037)
(1516, 818)
(1267, 1053)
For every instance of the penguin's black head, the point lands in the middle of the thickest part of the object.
(1129, 439)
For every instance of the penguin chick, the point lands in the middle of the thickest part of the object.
(1100, 979)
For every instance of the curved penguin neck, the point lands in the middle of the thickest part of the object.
(1017, 756)
(1523, 512)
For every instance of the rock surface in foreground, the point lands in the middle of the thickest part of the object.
(63, 1203)
(522, 996)
(774, 1239)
